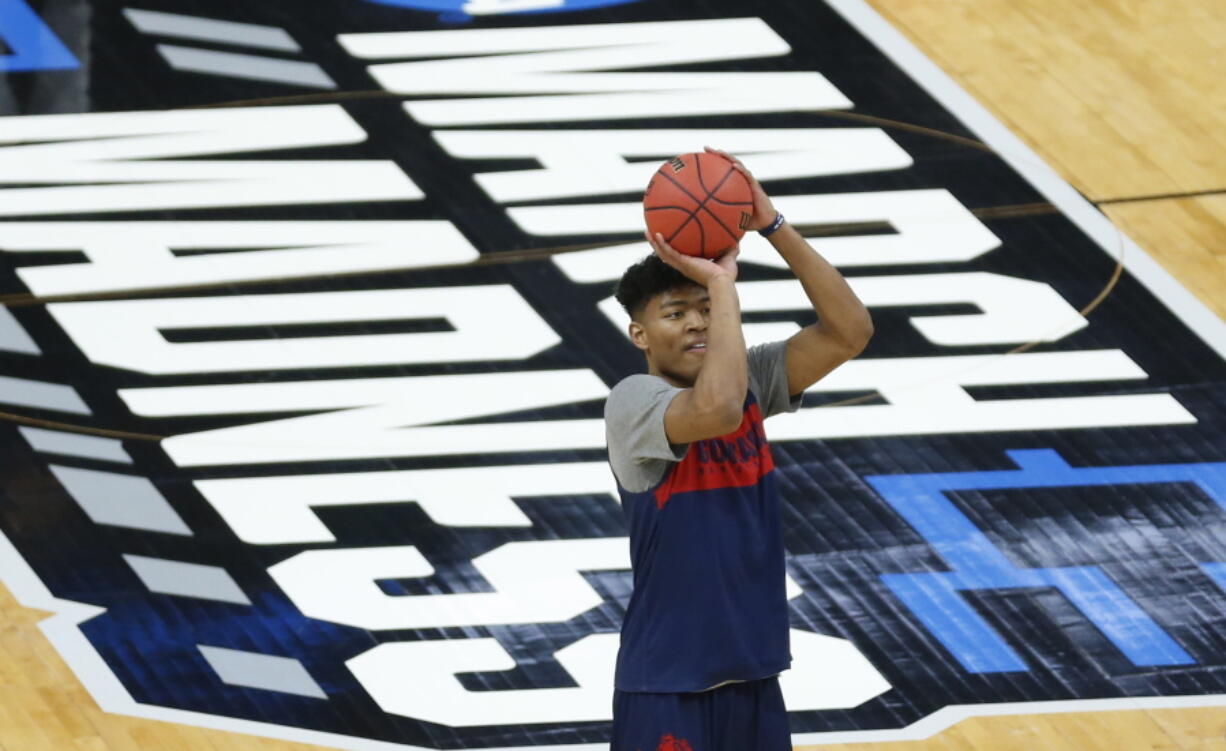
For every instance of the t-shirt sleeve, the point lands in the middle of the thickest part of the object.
(634, 428)
(768, 377)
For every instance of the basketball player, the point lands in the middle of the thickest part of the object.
(706, 631)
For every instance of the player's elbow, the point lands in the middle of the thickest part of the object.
(698, 420)
(722, 400)
(730, 418)
(850, 338)
(720, 417)
(860, 335)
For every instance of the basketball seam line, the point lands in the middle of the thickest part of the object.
(678, 208)
(701, 204)
(711, 194)
(693, 214)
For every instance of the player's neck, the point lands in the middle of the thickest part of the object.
(672, 378)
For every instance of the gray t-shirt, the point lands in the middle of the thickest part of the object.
(639, 451)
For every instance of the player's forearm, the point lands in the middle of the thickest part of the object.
(840, 313)
(723, 379)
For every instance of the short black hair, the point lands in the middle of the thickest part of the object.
(646, 279)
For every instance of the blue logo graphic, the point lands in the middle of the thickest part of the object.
(461, 11)
(977, 564)
(32, 46)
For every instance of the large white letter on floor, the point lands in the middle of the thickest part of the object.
(927, 395)
(141, 255)
(435, 695)
(377, 417)
(930, 226)
(827, 673)
(489, 322)
(277, 510)
(570, 60)
(594, 162)
(119, 161)
(534, 582)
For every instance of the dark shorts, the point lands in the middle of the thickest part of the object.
(747, 716)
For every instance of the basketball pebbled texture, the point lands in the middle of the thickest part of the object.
(699, 202)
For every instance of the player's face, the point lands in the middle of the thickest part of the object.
(672, 332)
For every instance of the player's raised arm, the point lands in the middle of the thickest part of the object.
(843, 326)
(706, 321)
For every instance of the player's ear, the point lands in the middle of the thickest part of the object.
(638, 335)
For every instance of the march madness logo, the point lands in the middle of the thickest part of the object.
(342, 360)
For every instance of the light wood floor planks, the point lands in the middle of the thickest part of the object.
(1125, 98)
(1187, 236)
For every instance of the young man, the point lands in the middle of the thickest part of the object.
(706, 632)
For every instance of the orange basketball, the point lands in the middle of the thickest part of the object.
(699, 202)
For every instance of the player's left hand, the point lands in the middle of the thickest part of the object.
(763, 209)
(701, 271)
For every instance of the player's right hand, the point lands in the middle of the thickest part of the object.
(701, 271)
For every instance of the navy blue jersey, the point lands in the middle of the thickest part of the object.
(706, 546)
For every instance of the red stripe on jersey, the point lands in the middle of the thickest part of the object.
(734, 460)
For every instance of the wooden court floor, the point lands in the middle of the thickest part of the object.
(1126, 99)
